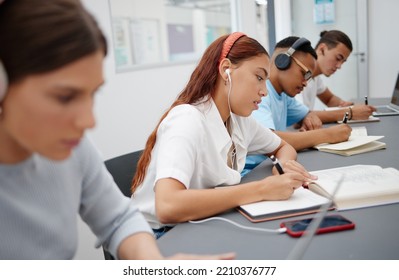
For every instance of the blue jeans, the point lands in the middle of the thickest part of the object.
(158, 233)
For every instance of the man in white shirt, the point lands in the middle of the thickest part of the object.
(333, 49)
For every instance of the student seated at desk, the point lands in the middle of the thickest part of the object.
(201, 142)
(293, 61)
(333, 49)
(51, 61)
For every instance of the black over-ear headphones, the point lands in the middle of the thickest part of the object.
(283, 60)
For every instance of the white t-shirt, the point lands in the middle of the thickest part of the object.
(308, 95)
(192, 147)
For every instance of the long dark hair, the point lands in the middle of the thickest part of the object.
(201, 85)
(40, 36)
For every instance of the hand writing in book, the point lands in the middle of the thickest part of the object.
(292, 166)
(362, 112)
(280, 187)
(338, 133)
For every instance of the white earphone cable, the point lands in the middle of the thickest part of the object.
(232, 121)
(228, 99)
(279, 230)
(229, 92)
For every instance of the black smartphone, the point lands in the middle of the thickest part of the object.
(330, 223)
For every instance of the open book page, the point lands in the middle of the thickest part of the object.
(369, 147)
(301, 200)
(353, 141)
(359, 131)
(365, 185)
(355, 133)
(364, 147)
(358, 142)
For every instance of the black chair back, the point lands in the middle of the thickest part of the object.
(122, 169)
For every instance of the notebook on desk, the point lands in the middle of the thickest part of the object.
(391, 109)
(365, 186)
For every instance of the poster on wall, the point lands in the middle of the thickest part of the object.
(181, 42)
(145, 41)
(122, 49)
(324, 11)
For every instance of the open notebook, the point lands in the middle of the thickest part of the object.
(359, 142)
(364, 186)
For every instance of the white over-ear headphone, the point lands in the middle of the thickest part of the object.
(3, 81)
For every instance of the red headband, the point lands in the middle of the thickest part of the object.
(228, 44)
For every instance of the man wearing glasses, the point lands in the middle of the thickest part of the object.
(293, 62)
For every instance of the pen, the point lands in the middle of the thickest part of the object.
(366, 102)
(345, 120)
(277, 164)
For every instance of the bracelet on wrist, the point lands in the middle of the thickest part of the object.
(351, 113)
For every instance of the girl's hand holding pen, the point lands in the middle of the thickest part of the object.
(338, 133)
(280, 187)
(292, 166)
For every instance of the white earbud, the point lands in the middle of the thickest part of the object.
(227, 71)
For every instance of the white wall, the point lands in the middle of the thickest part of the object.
(282, 16)
(383, 46)
(344, 82)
